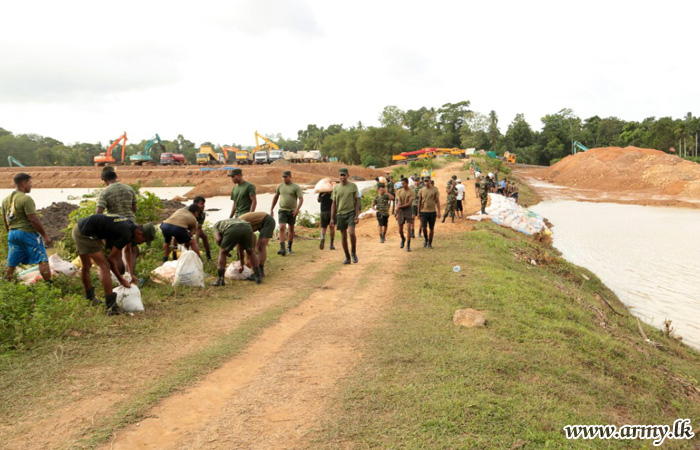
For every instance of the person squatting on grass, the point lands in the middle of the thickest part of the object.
(230, 233)
(117, 232)
(26, 237)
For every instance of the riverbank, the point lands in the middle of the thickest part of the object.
(323, 354)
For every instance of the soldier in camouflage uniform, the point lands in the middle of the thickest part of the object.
(451, 202)
(484, 188)
(391, 190)
(417, 186)
(451, 183)
(381, 205)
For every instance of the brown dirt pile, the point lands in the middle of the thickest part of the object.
(54, 219)
(615, 169)
(207, 182)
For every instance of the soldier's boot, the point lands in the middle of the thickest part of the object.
(322, 243)
(257, 274)
(281, 251)
(332, 247)
(209, 256)
(90, 295)
(347, 258)
(289, 248)
(111, 304)
(262, 270)
(220, 281)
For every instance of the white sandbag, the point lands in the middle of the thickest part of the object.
(165, 273)
(232, 271)
(398, 185)
(369, 213)
(190, 270)
(325, 185)
(382, 180)
(129, 299)
(116, 282)
(59, 266)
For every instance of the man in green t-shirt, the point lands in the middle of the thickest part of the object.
(346, 212)
(291, 198)
(417, 186)
(24, 230)
(429, 210)
(230, 233)
(243, 194)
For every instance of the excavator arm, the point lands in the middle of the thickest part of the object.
(121, 139)
(149, 144)
(268, 143)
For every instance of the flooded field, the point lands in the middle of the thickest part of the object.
(649, 256)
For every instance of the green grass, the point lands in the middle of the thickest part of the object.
(543, 361)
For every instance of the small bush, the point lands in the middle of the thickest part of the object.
(367, 199)
(39, 311)
(308, 220)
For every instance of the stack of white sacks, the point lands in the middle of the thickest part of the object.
(505, 212)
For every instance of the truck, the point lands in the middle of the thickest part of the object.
(172, 159)
(313, 156)
(274, 155)
(244, 157)
(261, 157)
(207, 155)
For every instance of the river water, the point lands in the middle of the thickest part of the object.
(649, 256)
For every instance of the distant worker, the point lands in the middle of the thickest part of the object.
(201, 217)
(182, 226)
(459, 206)
(326, 201)
(502, 187)
(514, 192)
(417, 182)
(119, 199)
(429, 210)
(118, 232)
(451, 182)
(346, 213)
(26, 237)
(484, 189)
(381, 204)
(391, 190)
(450, 203)
(404, 212)
(291, 199)
(230, 233)
(243, 194)
(265, 224)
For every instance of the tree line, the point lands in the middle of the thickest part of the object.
(452, 125)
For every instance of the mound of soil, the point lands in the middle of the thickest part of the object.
(629, 169)
(169, 207)
(54, 218)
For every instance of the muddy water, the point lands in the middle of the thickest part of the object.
(649, 256)
(44, 198)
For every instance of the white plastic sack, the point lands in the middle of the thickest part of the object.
(190, 270)
(129, 299)
(233, 274)
(369, 213)
(59, 266)
(325, 185)
(166, 272)
(116, 282)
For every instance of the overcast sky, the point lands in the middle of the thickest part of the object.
(219, 70)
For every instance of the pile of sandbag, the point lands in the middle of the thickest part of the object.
(325, 185)
(165, 273)
(369, 213)
(57, 266)
(507, 213)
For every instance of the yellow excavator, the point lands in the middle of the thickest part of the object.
(266, 152)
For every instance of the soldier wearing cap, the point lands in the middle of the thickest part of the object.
(381, 204)
(429, 210)
(117, 232)
(291, 198)
(345, 213)
(243, 194)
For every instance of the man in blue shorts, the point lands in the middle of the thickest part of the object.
(26, 235)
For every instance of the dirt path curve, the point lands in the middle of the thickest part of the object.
(270, 395)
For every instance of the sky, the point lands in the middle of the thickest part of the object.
(86, 71)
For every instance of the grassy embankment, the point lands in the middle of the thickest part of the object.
(551, 354)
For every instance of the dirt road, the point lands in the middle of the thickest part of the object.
(271, 394)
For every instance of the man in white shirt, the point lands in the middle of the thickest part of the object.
(460, 200)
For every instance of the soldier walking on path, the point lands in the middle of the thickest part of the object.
(404, 212)
(242, 194)
(429, 210)
(117, 232)
(230, 233)
(417, 186)
(459, 206)
(450, 184)
(391, 190)
(484, 189)
(26, 237)
(326, 201)
(451, 202)
(291, 198)
(120, 199)
(381, 205)
(345, 213)
(265, 224)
